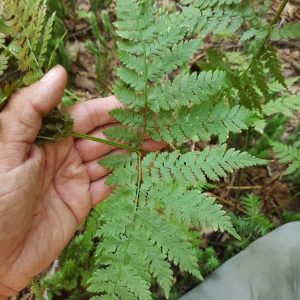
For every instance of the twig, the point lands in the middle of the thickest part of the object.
(288, 44)
(227, 202)
(244, 187)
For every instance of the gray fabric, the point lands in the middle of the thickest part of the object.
(269, 269)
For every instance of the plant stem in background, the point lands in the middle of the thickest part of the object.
(72, 95)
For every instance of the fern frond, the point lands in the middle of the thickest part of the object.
(3, 63)
(255, 33)
(284, 105)
(198, 123)
(31, 77)
(269, 56)
(190, 168)
(141, 242)
(173, 240)
(161, 50)
(209, 3)
(254, 223)
(145, 249)
(217, 17)
(29, 34)
(190, 207)
(173, 58)
(3, 56)
(260, 78)
(186, 90)
(287, 154)
(46, 38)
(123, 134)
(146, 224)
(288, 31)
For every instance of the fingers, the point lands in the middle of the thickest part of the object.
(92, 114)
(100, 191)
(152, 146)
(96, 171)
(21, 119)
(98, 174)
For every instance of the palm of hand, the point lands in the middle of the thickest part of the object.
(60, 198)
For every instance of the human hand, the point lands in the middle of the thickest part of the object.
(46, 191)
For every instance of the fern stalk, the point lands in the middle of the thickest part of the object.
(103, 141)
(273, 22)
(270, 30)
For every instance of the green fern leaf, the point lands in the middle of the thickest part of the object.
(288, 31)
(46, 38)
(190, 207)
(287, 154)
(273, 64)
(189, 168)
(286, 105)
(186, 90)
(3, 63)
(198, 123)
(124, 134)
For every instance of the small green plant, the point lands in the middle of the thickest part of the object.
(253, 224)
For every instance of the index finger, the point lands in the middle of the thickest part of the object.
(94, 113)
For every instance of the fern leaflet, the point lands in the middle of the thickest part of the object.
(287, 154)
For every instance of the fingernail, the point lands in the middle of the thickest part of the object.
(50, 75)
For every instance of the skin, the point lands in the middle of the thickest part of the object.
(46, 191)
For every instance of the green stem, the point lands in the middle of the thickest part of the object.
(271, 25)
(242, 173)
(103, 141)
(72, 95)
(279, 12)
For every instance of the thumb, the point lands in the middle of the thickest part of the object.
(21, 119)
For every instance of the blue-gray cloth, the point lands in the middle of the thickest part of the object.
(269, 269)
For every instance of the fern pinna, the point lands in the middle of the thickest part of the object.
(287, 154)
(145, 225)
(24, 24)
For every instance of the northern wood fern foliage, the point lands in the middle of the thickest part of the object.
(288, 155)
(145, 225)
(24, 40)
